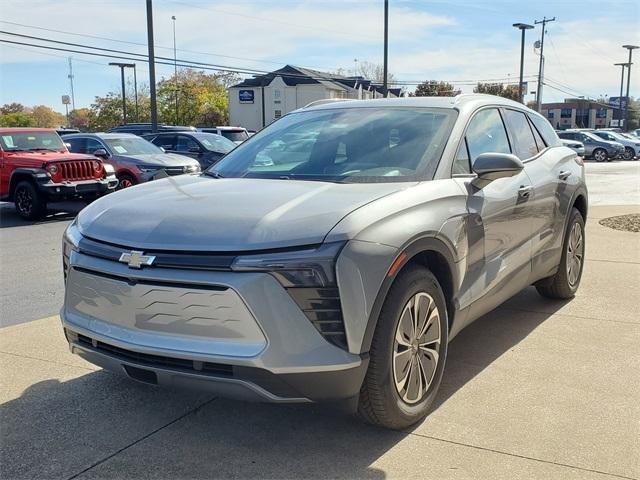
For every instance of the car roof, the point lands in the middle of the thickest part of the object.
(102, 135)
(26, 129)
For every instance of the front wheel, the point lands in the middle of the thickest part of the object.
(629, 153)
(125, 181)
(565, 282)
(408, 352)
(600, 155)
(30, 204)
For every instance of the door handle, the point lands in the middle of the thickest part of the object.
(564, 175)
(525, 191)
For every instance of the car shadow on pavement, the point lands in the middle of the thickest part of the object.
(107, 426)
(62, 213)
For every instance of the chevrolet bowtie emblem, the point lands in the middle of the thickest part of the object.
(136, 259)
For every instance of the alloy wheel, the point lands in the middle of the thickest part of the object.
(416, 348)
(600, 155)
(575, 254)
(24, 201)
(628, 154)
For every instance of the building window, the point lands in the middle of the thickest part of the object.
(277, 114)
(565, 113)
(276, 94)
(601, 113)
(550, 114)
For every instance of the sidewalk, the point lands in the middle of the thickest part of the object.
(535, 389)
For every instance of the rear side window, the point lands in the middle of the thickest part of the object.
(545, 130)
(524, 142)
(93, 145)
(168, 142)
(486, 133)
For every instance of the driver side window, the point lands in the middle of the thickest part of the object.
(486, 133)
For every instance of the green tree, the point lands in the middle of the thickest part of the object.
(81, 118)
(46, 117)
(634, 114)
(17, 119)
(202, 99)
(434, 88)
(498, 89)
(12, 108)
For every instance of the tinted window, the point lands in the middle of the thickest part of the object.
(237, 135)
(186, 144)
(524, 143)
(486, 133)
(345, 145)
(77, 144)
(93, 145)
(539, 141)
(168, 142)
(544, 129)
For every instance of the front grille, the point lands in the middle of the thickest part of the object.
(156, 360)
(77, 170)
(322, 307)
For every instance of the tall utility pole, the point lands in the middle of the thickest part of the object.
(152, 68)
(135, 90)
(631, 48)
(73, 97)
(522, 27)
(620, 113)
(175, 65)
(544, 22)
(386, 48)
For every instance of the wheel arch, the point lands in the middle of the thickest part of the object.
(430, 252)
(21, 174)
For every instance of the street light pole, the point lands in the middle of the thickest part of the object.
(620, 114)
(522, 27)
(631, 48)
(175, 65)
(152, 68)
(386, 48)
(135, 88)
(544, 22)
(124, 96)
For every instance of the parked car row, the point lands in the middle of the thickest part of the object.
(595, 147)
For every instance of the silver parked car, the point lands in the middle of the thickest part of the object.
(595, 147)
(339, 270)
(631, 147)
(574, 145)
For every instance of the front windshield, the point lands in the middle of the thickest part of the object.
(131, 146)
(345, 145)
(25, 141)
(215, 143)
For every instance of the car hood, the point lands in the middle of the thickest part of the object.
(45, 156)
(198, 213)
(159, 159)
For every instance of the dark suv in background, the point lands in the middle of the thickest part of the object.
(134, 159)
(143, 128)
(206, 148)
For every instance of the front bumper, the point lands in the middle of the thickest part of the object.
(239, 335)
(77, 189)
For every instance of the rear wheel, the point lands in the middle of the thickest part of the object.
(599, 154)
(407, 353)
(565, 282)
(125, 181)
(30, 204)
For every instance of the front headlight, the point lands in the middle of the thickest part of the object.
(70, 243)
(296, 268)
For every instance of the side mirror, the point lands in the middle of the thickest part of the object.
(492, 166)
(164, 148)
(101, 152)
(68, 145)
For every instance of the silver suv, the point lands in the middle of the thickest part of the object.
(340, 268)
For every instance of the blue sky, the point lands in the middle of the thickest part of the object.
(459, 41)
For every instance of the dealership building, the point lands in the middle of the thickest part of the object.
(578, 113)
(260, 100)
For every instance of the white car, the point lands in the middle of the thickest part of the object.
(236, 134)
(574, 145)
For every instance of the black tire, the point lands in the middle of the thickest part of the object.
(629, 153)
(380, 402)
(125, 181)
(560, 285)
(29, 202)
(600, 155)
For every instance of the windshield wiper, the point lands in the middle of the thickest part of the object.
(213, 174)
(40, 148)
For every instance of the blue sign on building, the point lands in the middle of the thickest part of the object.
(245, 96)
(615, 102)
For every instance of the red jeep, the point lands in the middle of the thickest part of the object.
(36, 168)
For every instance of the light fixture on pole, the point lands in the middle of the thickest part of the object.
(124, 97)
(631, 48)
(175, 65)
(522, 27)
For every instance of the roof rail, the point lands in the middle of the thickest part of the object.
(326, 100)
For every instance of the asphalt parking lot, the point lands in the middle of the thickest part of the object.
(535, 389)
